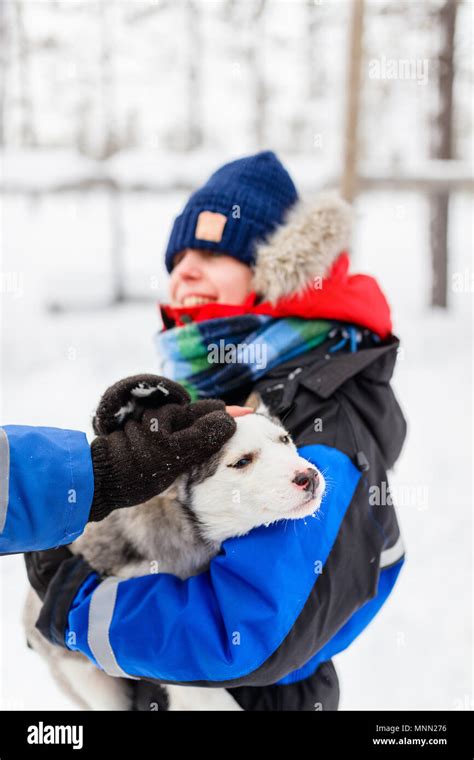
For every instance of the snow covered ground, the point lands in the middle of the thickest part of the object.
(417, 654)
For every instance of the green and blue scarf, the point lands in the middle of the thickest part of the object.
(216, 356)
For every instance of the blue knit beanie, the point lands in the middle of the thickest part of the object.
(240, 204)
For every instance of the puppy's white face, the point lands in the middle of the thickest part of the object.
(257, 478)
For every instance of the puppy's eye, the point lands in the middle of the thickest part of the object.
(285, 439)
(242, 462)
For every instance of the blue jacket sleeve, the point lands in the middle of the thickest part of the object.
(46, 487)
(226, 622)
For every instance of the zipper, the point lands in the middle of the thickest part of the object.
(361, 460)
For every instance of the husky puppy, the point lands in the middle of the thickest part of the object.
(256, 479)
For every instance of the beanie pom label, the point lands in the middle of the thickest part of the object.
(210, 226)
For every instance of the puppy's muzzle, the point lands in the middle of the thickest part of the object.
(307, 480)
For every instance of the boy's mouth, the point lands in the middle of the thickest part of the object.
(194, 300)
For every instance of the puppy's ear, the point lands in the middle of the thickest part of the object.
(256, 403)
(253, 400)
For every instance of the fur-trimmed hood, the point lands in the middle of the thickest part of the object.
(303, 248)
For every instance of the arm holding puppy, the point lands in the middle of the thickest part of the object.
(52, 482)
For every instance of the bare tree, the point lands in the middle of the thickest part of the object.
(354, 65)
(193, 138)
(4, 59)
(442, 148)
(260, 94)
(27, 130)
(110, 145)
(144, 13)
(300, 122)
(110, 142)
(313, 66)
(82, 117)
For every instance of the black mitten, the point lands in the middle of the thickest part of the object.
(128, 398)
(140, 451)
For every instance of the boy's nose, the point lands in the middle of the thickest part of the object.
(190, 273)
(307, 480)
(189, 267)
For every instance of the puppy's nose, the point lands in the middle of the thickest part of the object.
(308, 479)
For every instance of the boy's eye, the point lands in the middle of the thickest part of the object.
(285, 439)
(242, 462)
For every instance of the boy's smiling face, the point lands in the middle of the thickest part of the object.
(201, 276)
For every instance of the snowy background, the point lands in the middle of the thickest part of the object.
(149, 98)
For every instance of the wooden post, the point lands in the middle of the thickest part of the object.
(442, 148)
(354, 66)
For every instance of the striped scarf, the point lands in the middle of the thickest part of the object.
(216, 356)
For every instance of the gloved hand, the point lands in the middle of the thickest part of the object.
(56, 575)
(148, 434)
(41, 567)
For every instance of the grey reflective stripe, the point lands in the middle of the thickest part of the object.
(101, 612)
(4, 477)
(390, 556)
